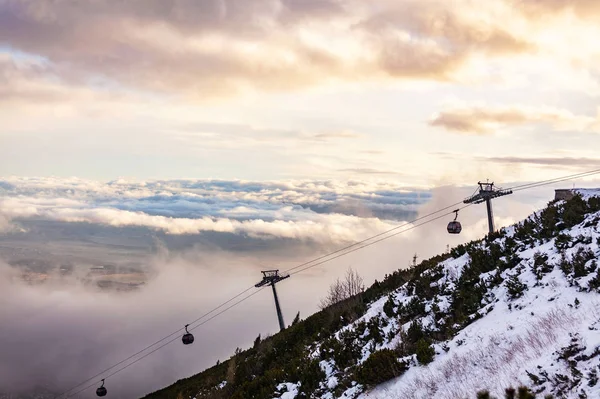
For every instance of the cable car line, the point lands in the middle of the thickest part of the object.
(305, 266)
(165, 344)
(154, 344)
(379, 240)
(555, 180)
(370, 238)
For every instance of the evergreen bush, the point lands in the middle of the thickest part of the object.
(515, 287)
(381, 366)
(425, 352)
(388, 306)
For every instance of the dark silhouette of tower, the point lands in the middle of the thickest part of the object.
(486, 193)
(271, 277)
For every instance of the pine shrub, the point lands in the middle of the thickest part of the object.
(311, 376)
(540, 265)
(458, 251)
(388, 306)
(425, 352)
(415, 332)
(574, 211)
(515, 287)
(579, 261)
(562, 241)
(381, 366)
(511, 393)
(594, 284)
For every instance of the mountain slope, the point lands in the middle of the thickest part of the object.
(519, 307)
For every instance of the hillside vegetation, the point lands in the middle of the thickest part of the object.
(519, 307)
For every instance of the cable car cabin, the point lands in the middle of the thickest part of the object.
(454, 227)
(187, 339)
(101, 391)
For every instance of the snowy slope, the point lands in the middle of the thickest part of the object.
(499, 350)
(546, 337)
(520, 307)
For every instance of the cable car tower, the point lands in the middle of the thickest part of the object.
(271, 277)
(486, 193)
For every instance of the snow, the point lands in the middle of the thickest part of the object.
(291, 390)
(501, 347)
(515, 337)
(515, 341)
(586, 193)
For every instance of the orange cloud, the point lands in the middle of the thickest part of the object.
(482, 120)
(217, 47)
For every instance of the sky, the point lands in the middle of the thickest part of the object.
(204, 141)
(418, 92)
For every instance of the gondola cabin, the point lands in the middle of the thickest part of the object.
(187, 338)
(101, 391)
(454, 227)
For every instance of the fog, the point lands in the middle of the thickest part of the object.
(57, 334)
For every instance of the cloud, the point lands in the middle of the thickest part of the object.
(90, 330)
(337, 135)
(221, 47)
(434, 40)
(228, 136)
(584, 9)
(483, 120)
(5, 224)
(310, 211)
(547, 161)
(369, 171)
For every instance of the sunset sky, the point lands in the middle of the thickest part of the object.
(202, 141)
(417, 92)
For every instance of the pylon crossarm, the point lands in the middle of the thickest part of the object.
(483, 196)
(486, 193)
(271, 278)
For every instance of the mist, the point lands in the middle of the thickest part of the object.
(57, 334)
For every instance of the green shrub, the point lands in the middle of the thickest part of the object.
(511, 393)
(515, 287)
(594, 284)
(425, 352)
(380, 367)
(415, 332)
(579, 260)
(388, 307)
(311, 376)
(540, 265)
(458, 251)
(574, 211)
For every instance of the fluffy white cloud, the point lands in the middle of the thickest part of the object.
(319, 211)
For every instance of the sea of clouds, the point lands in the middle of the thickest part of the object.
(305, 210)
